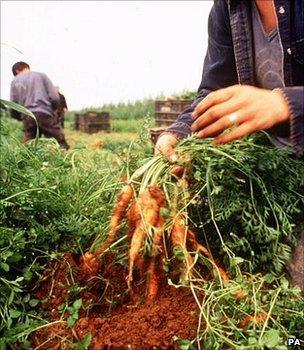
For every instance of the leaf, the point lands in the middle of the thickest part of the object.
(165, 213)
(85, 343)
(27, 274)
(71, 321)
(11, 297)
(15, 313)
(77, 304)
(271, 338)
(34, 302)
(18, 108)
(178, 253)
(5, 266)
(284, 283)
(184, 344)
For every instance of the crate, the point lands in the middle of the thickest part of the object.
(76, 121)
(92, 122)
(155, 133)
(176, 106)
(165, 119)
(167, 111)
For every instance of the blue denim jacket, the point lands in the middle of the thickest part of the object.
(229, 58)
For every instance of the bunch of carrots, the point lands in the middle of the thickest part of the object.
(153, 220)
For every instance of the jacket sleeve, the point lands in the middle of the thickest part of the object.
(219, 69)
(294, 96)
(52, 93)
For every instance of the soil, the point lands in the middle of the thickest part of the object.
(113, 319)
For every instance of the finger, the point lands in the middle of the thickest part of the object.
(216, 112)
(166, 151)
(241, 131)
(222, 124)
(212, 99)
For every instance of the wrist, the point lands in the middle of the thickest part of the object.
(284, 109)
(170, 133)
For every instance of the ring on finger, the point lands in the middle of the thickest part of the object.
(233, 118)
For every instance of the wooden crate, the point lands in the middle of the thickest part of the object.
(167, 111)
(165, 119)
(176, 106)
(92, 122)
(76, 121)
(155, 133)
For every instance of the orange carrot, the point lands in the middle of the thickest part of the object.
(90, 263)
(137, 241)
(179, 237)
(153, 273)
(122, 202)
(196, 245)
(259, 318)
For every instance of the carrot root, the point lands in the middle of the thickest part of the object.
(122, 202)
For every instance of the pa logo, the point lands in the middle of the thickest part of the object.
(293, 342)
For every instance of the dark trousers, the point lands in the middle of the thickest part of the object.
(48, 126)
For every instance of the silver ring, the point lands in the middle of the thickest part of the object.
(233, 117)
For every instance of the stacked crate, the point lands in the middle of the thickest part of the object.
(92, 122)
(166, 113)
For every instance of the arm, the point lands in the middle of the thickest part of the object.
(51, 91)
(219, 66)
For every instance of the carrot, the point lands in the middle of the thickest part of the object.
(205, 251)
(153, 276)
(122, 202)
(259, 318)
(179, 237)
(197, 246)
(90, 263)
(137, 240)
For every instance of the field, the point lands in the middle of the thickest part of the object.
(65, 283)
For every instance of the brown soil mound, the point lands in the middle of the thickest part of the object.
(108, 313)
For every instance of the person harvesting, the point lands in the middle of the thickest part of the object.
(252, 78)
(36, 92)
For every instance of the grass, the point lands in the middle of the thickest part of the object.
(52, 201)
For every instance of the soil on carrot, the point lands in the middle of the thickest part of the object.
(108, 312)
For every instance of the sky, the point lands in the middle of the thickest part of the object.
(106, 51)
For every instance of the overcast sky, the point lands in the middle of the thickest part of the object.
(106, 51)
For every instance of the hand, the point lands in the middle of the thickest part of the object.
(248, 108)
(165, 145)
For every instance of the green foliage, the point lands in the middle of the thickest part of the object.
(85, 343)
(185, 95)
(131, 110)
(50, 201)
(245, 200)
(251, 198)
(74, 312)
